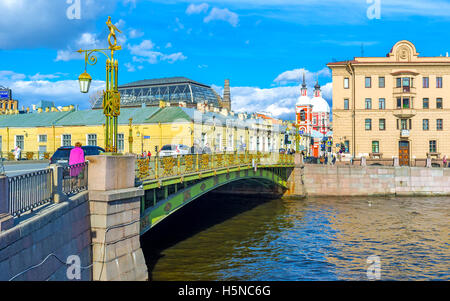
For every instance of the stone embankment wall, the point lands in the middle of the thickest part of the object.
(326, 180)
(61, 229)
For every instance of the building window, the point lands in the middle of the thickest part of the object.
(425, 124)
(20, 141)
(399, 82)
(42, 138)
(368, 82)
(438, 82)
(381, 82)
(302, 115)
(382, 103)
(375, 146)
(120, 143)
(346, 106)
(346, 83)
(438, 103)
(92, 139)
(426, 82)
(439, 124)
(368, 124)
(404, 124)
(433, 148)
(426, 103)
(382, 124)
(347, 146)
(66, 140)
(368, 103)
(405, 103)
(399, 102)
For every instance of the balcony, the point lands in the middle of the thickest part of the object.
(404, 112)
(404, 91)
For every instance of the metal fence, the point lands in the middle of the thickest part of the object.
(169, 166)
(75, 178)
(29, 191)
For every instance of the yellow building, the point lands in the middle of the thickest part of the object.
(39, 134)
(392, 106)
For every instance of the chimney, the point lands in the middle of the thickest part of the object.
(227, 95)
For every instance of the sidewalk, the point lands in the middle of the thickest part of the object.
(25, 162)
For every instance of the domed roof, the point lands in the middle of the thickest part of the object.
(320, 105)
(303, 101)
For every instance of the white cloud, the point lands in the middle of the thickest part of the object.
(197, 9)
(62, 92)
(296, 75)
(144, 52)
(39, 76)
(223, 15)
(279, 101)
(135, 33)
(130, 67)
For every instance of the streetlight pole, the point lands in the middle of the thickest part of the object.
(111, 97)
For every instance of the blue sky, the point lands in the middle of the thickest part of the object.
(262, 46)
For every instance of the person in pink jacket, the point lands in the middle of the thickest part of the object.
(76, 157)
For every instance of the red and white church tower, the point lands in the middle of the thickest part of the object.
(312, 115)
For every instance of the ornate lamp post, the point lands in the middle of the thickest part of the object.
(111, 97)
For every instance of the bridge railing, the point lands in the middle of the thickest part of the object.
(170, 166)
(75, 178)
(29, 191)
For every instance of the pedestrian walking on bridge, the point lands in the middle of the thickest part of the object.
(76, 157)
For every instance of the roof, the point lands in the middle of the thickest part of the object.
(96, 117)
(32, 119)
(162, 81)
(74, 118)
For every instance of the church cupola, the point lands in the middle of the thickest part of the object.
(304, 90)
(317, 89)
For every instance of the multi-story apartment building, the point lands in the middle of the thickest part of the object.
(393, 106)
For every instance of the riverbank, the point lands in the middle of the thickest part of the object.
(327, 180)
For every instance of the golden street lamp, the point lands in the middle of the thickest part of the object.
(111, 97)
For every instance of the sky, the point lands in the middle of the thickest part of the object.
(263, 46)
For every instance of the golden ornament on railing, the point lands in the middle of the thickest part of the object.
(241, 159)
(189, 163)
(46, 156)
(168, 165)
(143, 168)
(204, 162)
(219, 160)
(11, 156)
(258, 157)
(30, 155)
(230, 159)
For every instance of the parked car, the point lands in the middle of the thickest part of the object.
(61, 156)
(174, 150)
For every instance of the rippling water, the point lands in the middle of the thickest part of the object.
(239, 238)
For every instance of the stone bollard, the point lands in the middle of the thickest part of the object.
(363, 161)
(6, 220)
(396, 162)
(428, 162)
(115, 213)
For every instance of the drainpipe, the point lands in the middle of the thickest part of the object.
(351, 69)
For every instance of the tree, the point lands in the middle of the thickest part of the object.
(94, 96)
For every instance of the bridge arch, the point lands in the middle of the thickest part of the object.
(153, 215)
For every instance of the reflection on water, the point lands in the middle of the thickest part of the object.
(239, 238)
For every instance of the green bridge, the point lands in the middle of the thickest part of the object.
(173, 182)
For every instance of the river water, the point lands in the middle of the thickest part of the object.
(242, 238)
